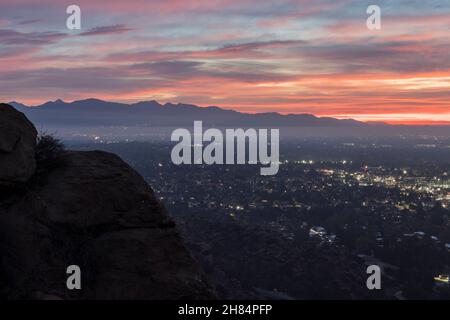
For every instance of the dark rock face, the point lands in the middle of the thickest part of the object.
(17, 143)
(97, 213)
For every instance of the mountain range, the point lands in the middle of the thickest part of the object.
(150, 118)
(152, 113)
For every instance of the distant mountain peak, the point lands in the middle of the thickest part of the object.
(17, 105)
(95, 111)
(90, 100)
(151, 103)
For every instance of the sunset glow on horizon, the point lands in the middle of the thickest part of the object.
(284, 56)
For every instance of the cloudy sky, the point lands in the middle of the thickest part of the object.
(293, 56)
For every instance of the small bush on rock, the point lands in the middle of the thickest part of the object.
(49, 152)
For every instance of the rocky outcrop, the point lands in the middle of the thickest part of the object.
(99, 214)
(17, 142)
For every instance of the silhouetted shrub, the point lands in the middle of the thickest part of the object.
(49, 152)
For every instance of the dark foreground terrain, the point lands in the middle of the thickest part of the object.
(88, 209)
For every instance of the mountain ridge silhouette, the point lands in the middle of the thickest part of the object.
(142, 113)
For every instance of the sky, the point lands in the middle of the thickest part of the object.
(287, 56)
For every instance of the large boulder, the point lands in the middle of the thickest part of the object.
(17, 145)
(99, 214)
(93, 211)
